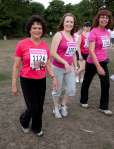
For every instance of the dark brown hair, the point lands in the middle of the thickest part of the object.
(61, 27)
(102, 12)
(39, 20)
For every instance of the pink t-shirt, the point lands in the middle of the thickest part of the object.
(101, 38)
(34, 58)
(66, 50)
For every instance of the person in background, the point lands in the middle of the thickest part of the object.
(78, 53)
(50, 34)
(112, 37)
(97, 61)
(32, 59)
(83, 48)
(84, 40)
(63, 49)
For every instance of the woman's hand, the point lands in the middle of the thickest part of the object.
(67, 67)
(54, 83)
(16, 67)
(14, 90)
(100, 70)
(76, 69)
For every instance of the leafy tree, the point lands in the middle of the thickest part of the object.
(83, 11)
(97, 4)
(69, 8)
(53, 14)
(14, 13)
(11, 16)
(37, 8)
(110, 5)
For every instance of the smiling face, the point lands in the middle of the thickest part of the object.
(36, 30)
(103, 21)
(68, 23)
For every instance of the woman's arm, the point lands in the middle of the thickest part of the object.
(51, 74)
(78, 46)
(75, 62)
(16, 66)
(100, 70)
(49, 69)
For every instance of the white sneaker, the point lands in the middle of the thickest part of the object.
(25, 130)
(56, 112)
(64, 111)
(77, 79)
(81, 80)
(84, 105)
(112, 77)
(106, 112)
(40, 134)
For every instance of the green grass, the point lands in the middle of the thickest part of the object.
(107, 146)
(4, 77)
(111, 67)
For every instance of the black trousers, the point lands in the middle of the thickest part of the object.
(90, 71)
(34, 95)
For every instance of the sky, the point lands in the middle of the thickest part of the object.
(46, 2)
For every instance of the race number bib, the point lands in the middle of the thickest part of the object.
(105, 41)
(71, 48)
(38, 58)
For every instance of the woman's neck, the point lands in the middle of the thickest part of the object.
(67, 33)
(35, 40)
(101, 27)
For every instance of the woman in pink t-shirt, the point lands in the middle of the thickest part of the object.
(99, 43)
(64, 63)
(33, 55)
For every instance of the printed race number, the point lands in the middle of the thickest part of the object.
(105, 41)
(38, 58)
(71, 48)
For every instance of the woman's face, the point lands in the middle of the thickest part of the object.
(86, 28)
(103, 20)
(36, 30)
(68, 23)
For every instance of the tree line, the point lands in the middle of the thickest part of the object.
(14, 13)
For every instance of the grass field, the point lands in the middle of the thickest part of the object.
(82, 129)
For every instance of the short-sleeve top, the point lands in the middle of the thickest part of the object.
(34, 58)
(101, 37)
